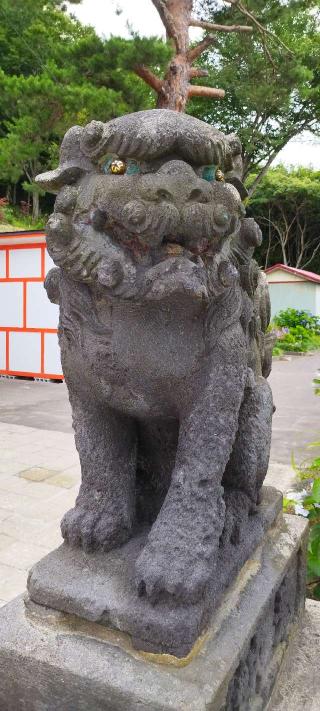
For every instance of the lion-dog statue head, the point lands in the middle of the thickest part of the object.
(144, 202)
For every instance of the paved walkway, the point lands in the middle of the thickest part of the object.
(39, 476)
(39, 466)
(296, 421)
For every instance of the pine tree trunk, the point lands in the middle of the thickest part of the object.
(175, 89)
(175, 85)
(35, 206)
(176, 14)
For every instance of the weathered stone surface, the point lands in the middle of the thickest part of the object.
(165, 351)
(298, 684)
(98, 586)
(53, 662)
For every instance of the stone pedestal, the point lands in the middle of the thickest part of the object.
(54, 661)
(99, 587)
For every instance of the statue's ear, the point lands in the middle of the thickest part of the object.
(53, 180)
(73, 164)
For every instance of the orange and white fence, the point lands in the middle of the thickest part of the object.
(28, 321)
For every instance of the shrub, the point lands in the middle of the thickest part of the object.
(296, 331)
(18, 218)
(307, 503)
(292, 318)
(277, 351)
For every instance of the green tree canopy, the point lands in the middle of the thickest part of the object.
(286, 204)
(271, 94)
(55, 73)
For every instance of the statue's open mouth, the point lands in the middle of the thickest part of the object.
(176, 242)
(168, 246)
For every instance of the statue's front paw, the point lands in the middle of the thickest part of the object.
(93, 529)
(162, 572)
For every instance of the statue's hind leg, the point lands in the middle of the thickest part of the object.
(105, 507)
(248, 464)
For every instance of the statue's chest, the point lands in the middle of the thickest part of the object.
(126, 341)
(158, 341)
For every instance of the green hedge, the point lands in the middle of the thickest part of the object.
(296, 331)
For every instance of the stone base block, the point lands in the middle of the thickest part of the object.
(99, 586)
(298, 684)
(52, 661)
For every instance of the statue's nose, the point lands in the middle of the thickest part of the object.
(179, 191)
(177, 182)
(185, 191)
(198, 193)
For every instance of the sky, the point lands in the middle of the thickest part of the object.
(102, 14)
(113, 16)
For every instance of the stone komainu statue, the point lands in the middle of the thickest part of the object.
(163, 318)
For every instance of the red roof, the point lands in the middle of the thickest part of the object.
(308, 276)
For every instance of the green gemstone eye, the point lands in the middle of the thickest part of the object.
(132, 167)
(106, 166)
(212, 172)
(209, 172)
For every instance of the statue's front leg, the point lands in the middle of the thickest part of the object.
(179, 556)
(104, 511)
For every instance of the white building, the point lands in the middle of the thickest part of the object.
(293, 289)
(28, 320)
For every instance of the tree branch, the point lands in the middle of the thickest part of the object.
(274, 225)
(149, 77)
(207, 91)
(195, 52)
(249, 166)
(263, 31)
(302, 227)
(312, 256)
(219, 28)
(262, 173)
(269, 245)
(196, 72)
(280, 238)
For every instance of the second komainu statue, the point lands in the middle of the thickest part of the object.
(163, 320)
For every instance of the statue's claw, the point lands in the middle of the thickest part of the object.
(161, 573)
(93, 529)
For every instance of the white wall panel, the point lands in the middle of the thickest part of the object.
(2, 350)
(299, 296)
(317, 300)
(49, 263)
(24, 263)
(11, 304)
(25, 352)
(2, 263)
(52, 361)
(41, 313)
